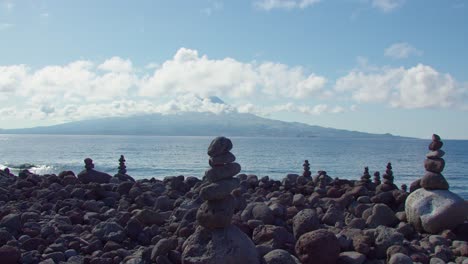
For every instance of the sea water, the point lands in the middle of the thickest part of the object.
(158, 156)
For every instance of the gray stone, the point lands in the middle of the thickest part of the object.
(434, 181)
(227, 246)
(109, 231)
(216, 213)
(400, 258)
(219, 146)
(382, 215)
(12, 222)
(227, 171)
(163, 247)
(228, 157)
(305, 221)
(280, 256)
(219, 190)
(435, 165)
(435, 210)
(274, 237)
(435, 154)
(385, 238)
(351, 257)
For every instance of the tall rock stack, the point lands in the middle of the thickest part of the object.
(433, 208)
(216, 240)
(434, 165)
(122, 174)
(388, 178)
(377, 181)
(306, 173)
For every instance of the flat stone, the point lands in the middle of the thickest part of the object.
(436, 145)
(228, 157)
(434, 181)
(351, 257)
(222, 172)
(435, 165)
(219, 190)
(435, 154)
(216, 213)
(219, 146)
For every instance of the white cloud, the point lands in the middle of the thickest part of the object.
(188, 72)
(387, 5)
(420, 86)
(44, 15)
(116, 64)
(284, 4)
(401, 50)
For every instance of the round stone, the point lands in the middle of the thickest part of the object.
(219, 146)
(216, 213)
(222, 172)
(434, 181)
(435, 154)
(219, 190)
(436, 145)
(435, 165)
(227, 157)
(319, 246)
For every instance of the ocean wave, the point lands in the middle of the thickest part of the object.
(37, 169)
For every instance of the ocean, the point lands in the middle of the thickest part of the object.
(160, 156)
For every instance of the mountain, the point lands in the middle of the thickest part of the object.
(192, 124)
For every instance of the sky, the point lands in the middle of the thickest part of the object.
(379, 66)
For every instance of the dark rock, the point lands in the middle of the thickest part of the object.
(228, 246)
(12, 222)
(319, 246)
(434, 165)
(434, 181)
(163, 247)
(382, 215)
(9, 255)
(216, 213)
(227, 157)
(219, 190)
(280, 256)
(435, 145)
(305, 221)
(275, 237)
(219, 146)
(109, 231)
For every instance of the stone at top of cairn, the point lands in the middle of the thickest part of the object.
(88, 164)
(434, 165)
(122, 167)
(218, 208)
(306, 172)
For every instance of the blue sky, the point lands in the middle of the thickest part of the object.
(396, 66)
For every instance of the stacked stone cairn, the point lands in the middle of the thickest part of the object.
(433, 208)
(388, 178)
(90, 175)
(306, 173)
(365, 179)
(377, 181)
(434, 165)
(216, 240)
(122, 174)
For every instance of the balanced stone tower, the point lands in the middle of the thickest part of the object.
(433, 208)
(377, 181)
(216, 240)
(90, 175)
(306, 173)
(122, 174)
(388, 178)
(434, 165)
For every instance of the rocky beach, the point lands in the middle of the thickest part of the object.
(230, 217)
